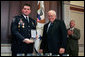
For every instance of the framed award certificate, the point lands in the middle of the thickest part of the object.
(33, 33)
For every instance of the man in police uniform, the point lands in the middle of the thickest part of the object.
(73, 37)
(21, 31)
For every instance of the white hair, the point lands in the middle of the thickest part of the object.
(72, 21)
(52, 11)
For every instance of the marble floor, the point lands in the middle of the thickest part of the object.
(80, 54)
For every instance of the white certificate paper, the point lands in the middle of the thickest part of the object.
(33, 33)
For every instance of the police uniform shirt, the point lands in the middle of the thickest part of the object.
(23, 26)
(21, 29)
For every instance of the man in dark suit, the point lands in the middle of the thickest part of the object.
(73, 37)
(54, 36)
(21, 27)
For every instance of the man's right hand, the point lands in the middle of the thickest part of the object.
(70, 32)
(27, 41)
(40, 51)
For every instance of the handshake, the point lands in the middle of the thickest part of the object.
(28, 41)
(31, 40)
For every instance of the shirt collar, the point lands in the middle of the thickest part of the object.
(72, 28)
(25, 16)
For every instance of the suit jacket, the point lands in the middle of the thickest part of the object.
(73, 39)
(55, 38)
(21, 29)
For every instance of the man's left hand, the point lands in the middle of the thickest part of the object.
(62, 50)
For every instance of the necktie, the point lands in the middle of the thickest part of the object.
(49, 26)
(27, 19)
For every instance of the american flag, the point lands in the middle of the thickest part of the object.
(40, 11)
(40, 24)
